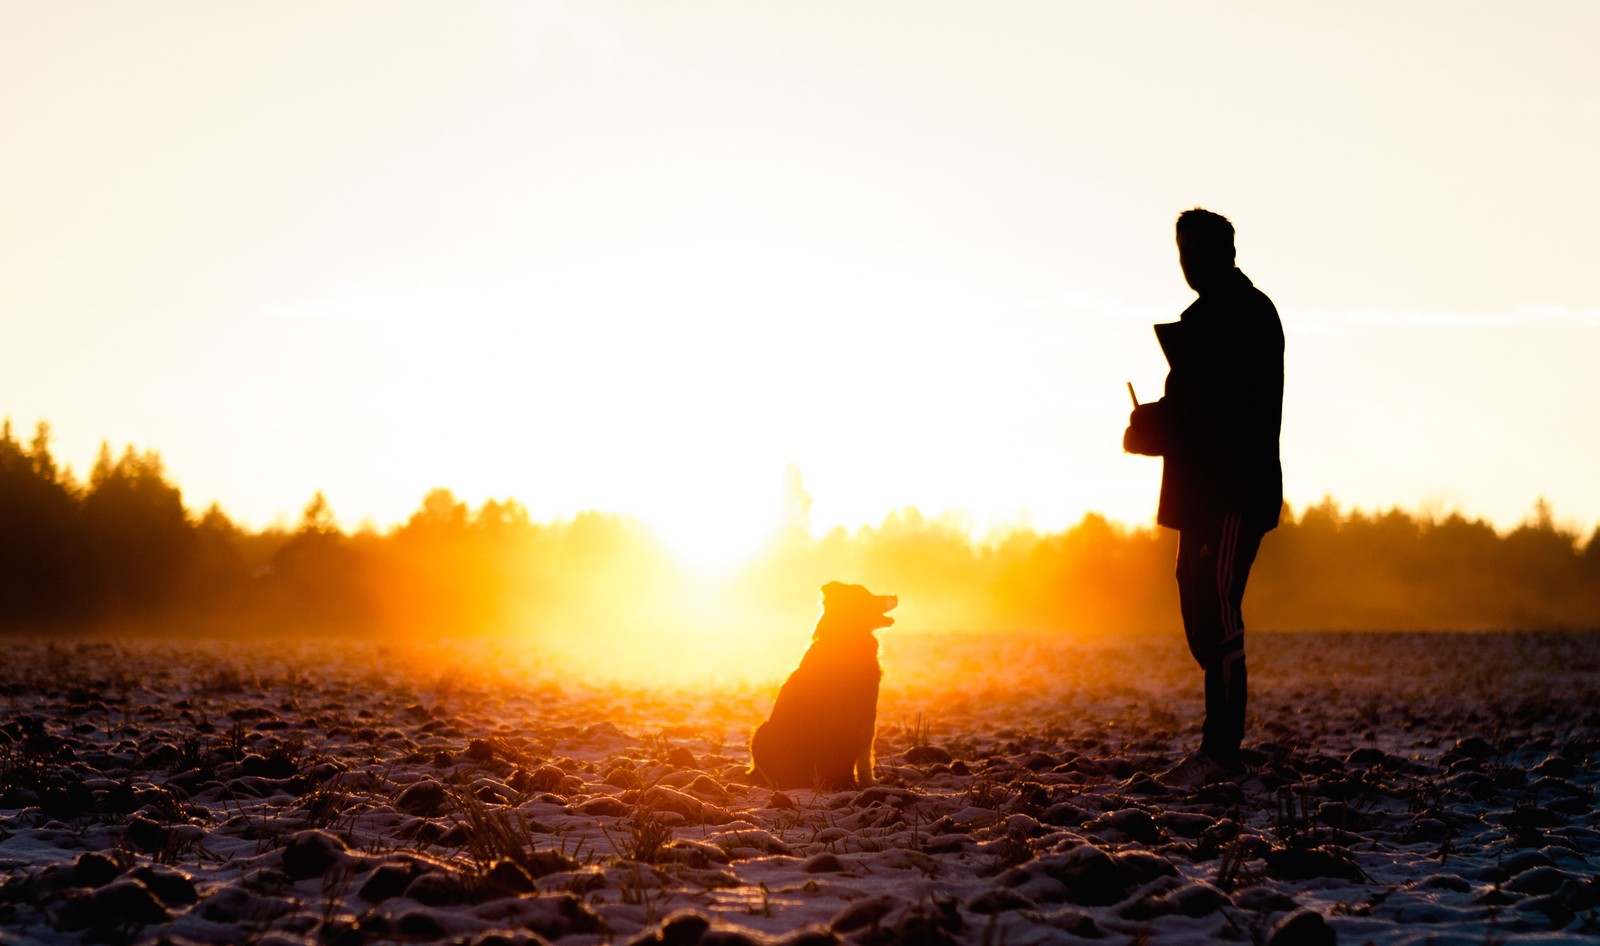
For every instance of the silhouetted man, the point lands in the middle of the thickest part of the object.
(1216, 429)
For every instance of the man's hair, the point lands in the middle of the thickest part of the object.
(1211, 227)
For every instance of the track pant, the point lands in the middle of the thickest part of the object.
(1214, 561)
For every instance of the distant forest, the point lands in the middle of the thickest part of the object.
(122, 552)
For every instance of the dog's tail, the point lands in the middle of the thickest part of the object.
(754, 774)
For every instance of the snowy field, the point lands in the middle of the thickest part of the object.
(1405, 789)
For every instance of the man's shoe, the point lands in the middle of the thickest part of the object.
(1200, 768)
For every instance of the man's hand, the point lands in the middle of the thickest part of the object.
(1144, 435)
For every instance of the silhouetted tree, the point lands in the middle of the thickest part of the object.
(220, 573)
(141, 544)
(316, 578)
(41, 577)
(123, 549)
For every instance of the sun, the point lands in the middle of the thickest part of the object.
(714, 536)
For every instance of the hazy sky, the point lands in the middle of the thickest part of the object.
(643, 256)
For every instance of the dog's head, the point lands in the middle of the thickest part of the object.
(853, 609)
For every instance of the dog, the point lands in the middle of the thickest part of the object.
(821, 728)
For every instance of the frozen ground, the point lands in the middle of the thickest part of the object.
(1407, 788)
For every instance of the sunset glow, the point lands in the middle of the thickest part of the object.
(663, 472)
(643, 259)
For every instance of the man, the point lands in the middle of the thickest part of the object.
(1216, 429)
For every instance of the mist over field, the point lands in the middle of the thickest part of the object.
(120, 553)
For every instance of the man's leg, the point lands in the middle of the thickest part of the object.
(1213, 564)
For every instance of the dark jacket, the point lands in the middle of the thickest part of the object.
(1217, 425)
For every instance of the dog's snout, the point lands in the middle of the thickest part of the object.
(889, 602)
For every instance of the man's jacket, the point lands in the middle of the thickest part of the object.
(1216, 427)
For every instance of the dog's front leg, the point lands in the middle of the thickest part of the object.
(864, 763)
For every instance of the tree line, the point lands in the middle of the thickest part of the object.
(121, 551)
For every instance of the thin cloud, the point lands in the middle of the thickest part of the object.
(1319, 321)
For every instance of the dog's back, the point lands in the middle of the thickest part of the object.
(821, 729)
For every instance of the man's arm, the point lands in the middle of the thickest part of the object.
(1153, 425)
(1147, 430)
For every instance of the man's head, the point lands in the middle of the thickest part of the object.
(1205, 247)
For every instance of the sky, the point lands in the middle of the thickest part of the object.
(645, 257)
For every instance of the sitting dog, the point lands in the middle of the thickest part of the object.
(821, 728)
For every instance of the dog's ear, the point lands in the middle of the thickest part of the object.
(833, 592)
